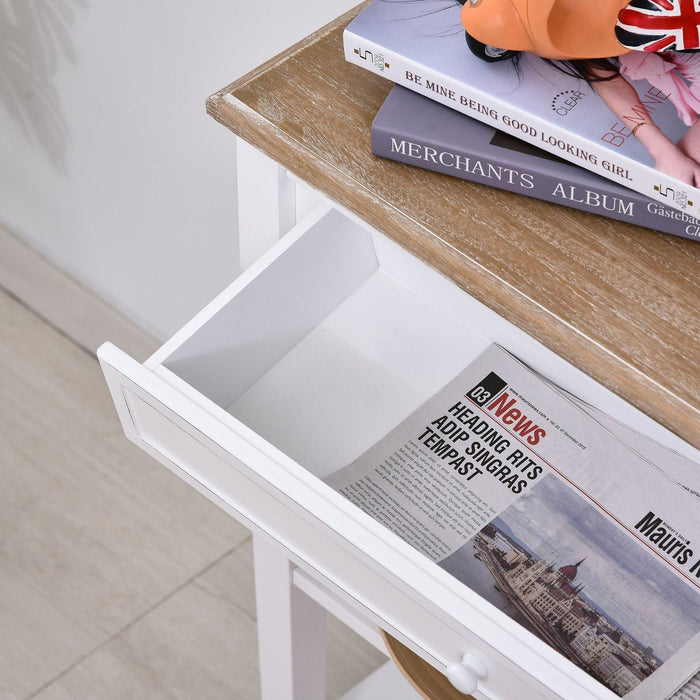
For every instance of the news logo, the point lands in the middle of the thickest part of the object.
(489, 387)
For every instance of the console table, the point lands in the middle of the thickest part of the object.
(243, 402)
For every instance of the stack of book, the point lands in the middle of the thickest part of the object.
(530, 128)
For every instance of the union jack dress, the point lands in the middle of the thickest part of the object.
(660, 25)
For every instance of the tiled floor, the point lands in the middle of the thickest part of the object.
(117, 580)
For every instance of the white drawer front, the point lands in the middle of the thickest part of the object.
(182, 444)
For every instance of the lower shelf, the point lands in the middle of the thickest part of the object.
(385, 682)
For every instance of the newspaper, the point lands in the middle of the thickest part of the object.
(518, 492)
(678, 467)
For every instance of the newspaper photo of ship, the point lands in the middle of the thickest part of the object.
(557, 565)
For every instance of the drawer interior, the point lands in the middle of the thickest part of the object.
(338, 334)
(328, 347)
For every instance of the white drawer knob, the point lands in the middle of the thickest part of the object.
(466, 674)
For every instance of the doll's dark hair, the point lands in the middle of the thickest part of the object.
(593, 70)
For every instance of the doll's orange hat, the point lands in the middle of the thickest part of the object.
(558, 29)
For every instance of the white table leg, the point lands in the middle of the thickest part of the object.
(291, 630)
(266, 202)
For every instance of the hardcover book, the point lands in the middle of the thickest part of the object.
(421, 45)
(413, 129)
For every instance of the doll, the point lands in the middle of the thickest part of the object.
(606, 43)
(571, 29)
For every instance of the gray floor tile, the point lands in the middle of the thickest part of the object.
(92, 531)
(117, 580)
(194, 645)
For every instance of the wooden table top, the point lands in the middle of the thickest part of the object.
(617, 301)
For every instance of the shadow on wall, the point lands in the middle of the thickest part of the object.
(34, 35)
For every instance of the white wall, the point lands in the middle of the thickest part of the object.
(109, 165)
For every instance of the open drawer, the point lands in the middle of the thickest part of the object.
(305, 361)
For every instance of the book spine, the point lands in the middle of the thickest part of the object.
(519, 123)
(499, 173)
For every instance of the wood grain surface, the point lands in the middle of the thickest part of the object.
(617, 301)
(427, 681)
